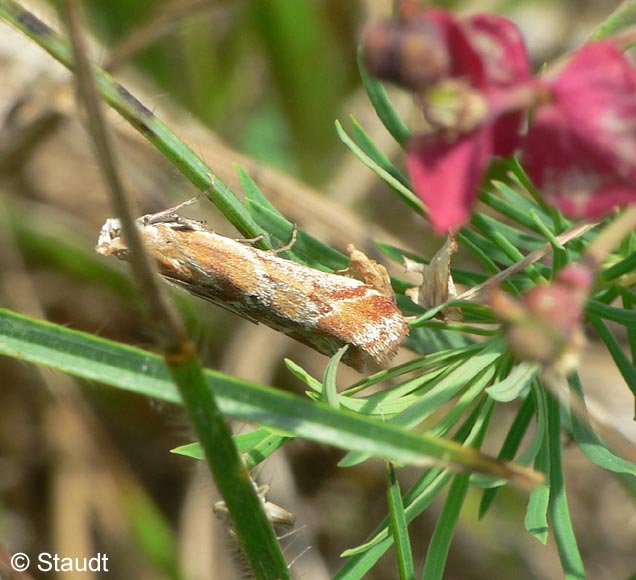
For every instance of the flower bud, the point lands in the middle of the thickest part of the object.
(546, 326)
(412, 55)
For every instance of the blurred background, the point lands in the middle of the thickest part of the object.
(258, 83)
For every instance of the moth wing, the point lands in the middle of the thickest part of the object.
(192, 290)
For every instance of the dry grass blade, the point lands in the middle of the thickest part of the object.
(251, 524)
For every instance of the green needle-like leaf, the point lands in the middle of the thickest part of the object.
(558, 509)
(132, 369)
(515, 384)
(445, 528)
(329, 386)
(399, 526)
(382, 105)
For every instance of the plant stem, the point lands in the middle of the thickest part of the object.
(574, 232)
(253, 529)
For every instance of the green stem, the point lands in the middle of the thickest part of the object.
(230, 473)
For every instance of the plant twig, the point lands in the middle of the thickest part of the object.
(232, 477)
(169, 329)
(574, 232)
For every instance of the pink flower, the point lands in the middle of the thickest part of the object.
(581, 148)
(472, 81)
(462, 72)
(446, 166)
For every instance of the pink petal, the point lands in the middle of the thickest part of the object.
(506, 64)
(466, 62)
(446, 176)
(489, 52)
(596, 95)
(501, 47)
(572, 172)
(581, 149)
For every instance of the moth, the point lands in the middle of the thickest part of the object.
(322, 310)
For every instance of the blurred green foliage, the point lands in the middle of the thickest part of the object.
(269, 77)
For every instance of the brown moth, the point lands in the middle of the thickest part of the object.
(322, 310)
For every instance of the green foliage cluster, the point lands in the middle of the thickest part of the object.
(433, 411)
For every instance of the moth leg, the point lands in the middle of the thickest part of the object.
(170, 214)
(250, 240)
(289, 245)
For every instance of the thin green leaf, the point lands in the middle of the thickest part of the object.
(256, 445)
(404, 193)
(310, 250)
(619, 315)
(478, 369)
(423, 363)
(625, 266)
(622, 20)
(559, 512)
(519, 239)
(536, 520)
(132, 369)
(487, 252)
(193, 450)
(541, 407)
(300, 373)
(588, 441)
(396, 399)
(399, 526)
(516, 206)
(369, 147)
(508, 242)
(560, 255)
(544, 230)
(450, 419)
(462, 329)
(382, 105)
(416, 500)
(623, 364)
(516, 384)
(329, 387)
(253, 192)
(509, 448)
(480, 312)
(445, 527)
(474, 242)
(524, 181)
(629, 301)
